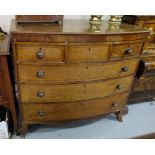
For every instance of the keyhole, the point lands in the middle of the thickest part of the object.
(89, 48)
(87, 67)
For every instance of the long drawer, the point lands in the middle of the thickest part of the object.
(77, 71)
(36, 112)
(73, 92)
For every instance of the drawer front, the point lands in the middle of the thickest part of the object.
(149, 62)
(126, 50)
(148, 52)
(40, 53)
(144, 84)
(73, 110)
(88, 53)
(74, 92)
(148, 59)
(77, 72)
(151, 28)
(150, 65)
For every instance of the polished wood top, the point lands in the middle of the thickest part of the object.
(4, 45)
(73, 27)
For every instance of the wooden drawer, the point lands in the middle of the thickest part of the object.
(73, 92)
(151, 28)
(126, 50)
(149, 62)
(144, 84)
(148, 52)
(32, 52)
(77, 71)
(88, 53)
(35, 112)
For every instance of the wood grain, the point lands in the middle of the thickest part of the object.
(74, 92)
(120, 51)
(64, 111)
(88, 53)
(76, 71)
(50, 53)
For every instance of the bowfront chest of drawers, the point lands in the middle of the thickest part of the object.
(65, 72)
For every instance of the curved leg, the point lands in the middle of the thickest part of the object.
(119, 115)
(23, 130)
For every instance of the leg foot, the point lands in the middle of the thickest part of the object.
(119, 116)
(23, 130)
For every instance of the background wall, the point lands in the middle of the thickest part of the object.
(6, 19)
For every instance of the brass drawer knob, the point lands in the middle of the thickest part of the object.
(124, 69)
(40, 113)
(40, 54)
(119, 86)
(129, 51)
(40, 94)
(40, 74)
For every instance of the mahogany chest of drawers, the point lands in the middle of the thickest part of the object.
(6, 90)
(144, 84)
(65, 72)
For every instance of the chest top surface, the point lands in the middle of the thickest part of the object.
(73, 27)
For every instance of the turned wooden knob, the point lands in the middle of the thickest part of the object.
(124, 69)
(41, 113)
(40, 94)
(128, 51)
(115, 104)
(40, 54)
(119, 86)
(40, 74)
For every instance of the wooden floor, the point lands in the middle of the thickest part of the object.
(138, 123)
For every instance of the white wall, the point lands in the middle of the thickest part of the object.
(6, 19)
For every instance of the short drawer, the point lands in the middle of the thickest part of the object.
(149, 62)
(148, 52)
(88, 53)
(144, 84)
(73, 92)
(37, 112)
(151, 27)
(150, 65)
(126, 50)
(29, 52)
(77, 71)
